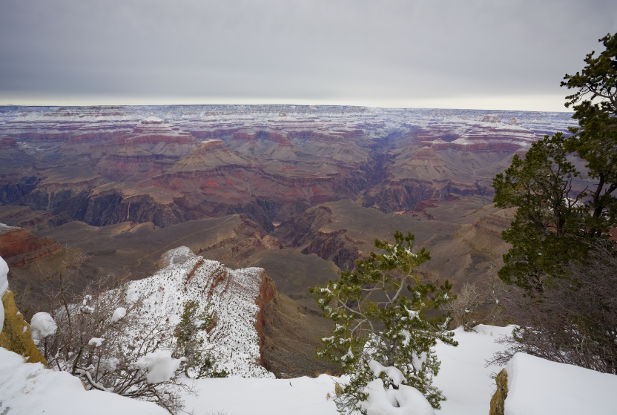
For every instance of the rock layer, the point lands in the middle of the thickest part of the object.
(105, 165)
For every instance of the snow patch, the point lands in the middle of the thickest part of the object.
(30, 388)
(405, 400)
(118, 314)
(159, 365)
(395, 375)
(152, 119)
(4, 285)
(537, 386)
(5, 228)
(177, 256)
(96, 341)
(4, 282)
(42, 325)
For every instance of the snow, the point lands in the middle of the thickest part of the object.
(96, 341)
(395, 375)
(463, 376)
(178, 255)
(299, 396)
(42, 325)
(29, 388)
(4, 285)
(5, 228)
(152, 119)
(118, 314)
(403, 401)
(537, 386)
(159, 365)
(4, 282)
(233, 342)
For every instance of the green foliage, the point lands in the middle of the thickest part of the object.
(549, 221)
(561, 255)
(556, 223)
(380, 311)
(189, 344)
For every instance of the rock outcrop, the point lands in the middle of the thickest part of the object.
(499, 398)
(16, 334)
(237, 297)
(335, 246)
(267, 293)
(19, 247)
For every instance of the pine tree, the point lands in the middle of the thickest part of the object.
(189, 344)
(380, 314)
(560, 236)
(555, 223)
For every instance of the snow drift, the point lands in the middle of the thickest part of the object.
(538, 387)
(29, 388)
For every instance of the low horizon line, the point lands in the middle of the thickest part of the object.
(506, 102)
(255, 104)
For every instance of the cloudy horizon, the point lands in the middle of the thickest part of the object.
(478, 54)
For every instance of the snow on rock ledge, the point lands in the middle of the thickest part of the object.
(4, 285)
(29, 388)
(538, 387)
(234, 341)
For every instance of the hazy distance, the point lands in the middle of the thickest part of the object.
(451, 54)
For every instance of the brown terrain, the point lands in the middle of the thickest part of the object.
(298, 190)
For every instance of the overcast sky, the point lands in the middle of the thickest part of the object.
(489, 54)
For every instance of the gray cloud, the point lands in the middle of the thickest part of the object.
(368, 51)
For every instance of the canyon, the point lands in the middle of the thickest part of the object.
(88, 193)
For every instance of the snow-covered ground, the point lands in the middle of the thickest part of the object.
(538, 387)
(463, 377)
(30, 389)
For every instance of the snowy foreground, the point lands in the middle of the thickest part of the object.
(536, 387)
(463, 378)
(29, 389)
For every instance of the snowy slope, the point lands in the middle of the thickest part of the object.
(234, 341)
(463, 377)
(29, 388)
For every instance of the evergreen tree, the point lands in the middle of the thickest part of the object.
(189, 344)
(555, 223)
(595, 139)
(380, 315)
(560, 236)
(549, 224)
